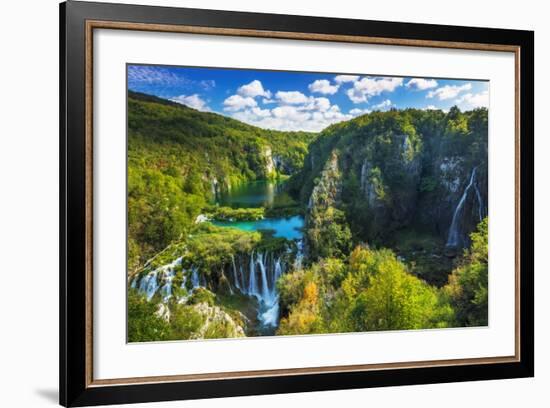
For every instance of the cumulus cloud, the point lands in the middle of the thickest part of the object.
(421, 84)
(291, 97)
(313, 114)
(431, 107)
(358, 112)
(323, 86)
(472, 101)
(193, 101)
(366, 87)
(253, 89)
(238, 102)
(384, 105)
(340, 79)
(448, 91)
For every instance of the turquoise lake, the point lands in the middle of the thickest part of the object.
(289, 228)
(260, 194)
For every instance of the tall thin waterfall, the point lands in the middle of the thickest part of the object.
(252, 287)
(261, 264)
(235, 275)
(454, 239)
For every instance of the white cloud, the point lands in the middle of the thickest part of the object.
(340, 79)
(359, 112)
(291, 97)
(253, 89)
(323, 86)
(290, 112)
(321, 104)
(449, 91)
(237, 102)
(431, 107)
(367, 87)
(313, 115)
(472, 101)
(384, 105)
(421, 84)
(261, 113)
(193, 101)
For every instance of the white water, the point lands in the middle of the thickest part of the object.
(259, 281)
(161, 280)
(261, 264)
(235, 275)
(454, 238)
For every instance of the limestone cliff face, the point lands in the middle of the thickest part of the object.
(328, 189)
(214, 318)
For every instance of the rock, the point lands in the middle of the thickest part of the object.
(218, 320)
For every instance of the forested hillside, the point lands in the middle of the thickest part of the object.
(180, 158)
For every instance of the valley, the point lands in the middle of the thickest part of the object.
(376, 223)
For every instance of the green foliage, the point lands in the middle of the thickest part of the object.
(328, 234)
(235, 214)
(202, 295)
(185, 322)
(143, 322)
(181, 321)
(468, 284)
(372, 291)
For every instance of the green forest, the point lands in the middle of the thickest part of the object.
(376, 223)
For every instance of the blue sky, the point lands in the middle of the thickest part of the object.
(300, 100)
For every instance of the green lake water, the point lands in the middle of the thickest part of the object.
(260, 194)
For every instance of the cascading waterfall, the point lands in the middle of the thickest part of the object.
(163, 275)
(299, 254)
(259, 280)
(454, 239)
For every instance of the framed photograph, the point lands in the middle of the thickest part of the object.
(256, 204)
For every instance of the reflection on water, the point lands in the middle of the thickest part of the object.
(254, 194)
(260, 194)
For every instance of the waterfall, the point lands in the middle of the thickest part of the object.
(479, 202)
(299, 254)
(454, 239)
(252, 278)
(149, 284)
(264, 269)
(261, 263)
(195, 282)
(161, 277)
(235, 276)
(166, 290)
